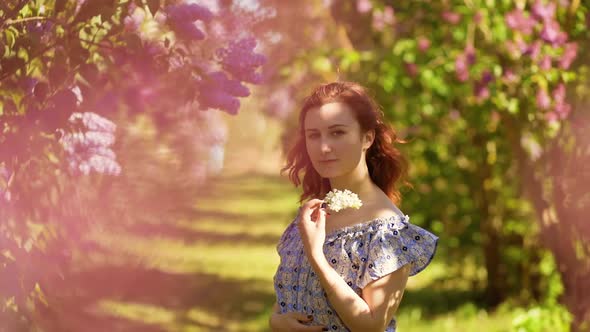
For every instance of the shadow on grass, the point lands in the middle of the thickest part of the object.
(433, 302)
(150, 300)
(189, 236)
(261, 186)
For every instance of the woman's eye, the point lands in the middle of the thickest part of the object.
(338, 133)
(311, 136)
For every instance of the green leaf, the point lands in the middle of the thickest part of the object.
(154, 6)
(11, 34)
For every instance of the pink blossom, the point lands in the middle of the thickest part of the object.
(363, 6)
(481, 92)
(480, 88)
(383, 18)
(451, 17)
(533, 50)
(563, 110)
(552, 33)
(559, 93)
(517, 20)
(461, 68)
(570, 51)
(509, 76)
(543, 99)
(477, 17)
(470, 54)
(411, 68)
(423, 44)
(544, 12)
(545, 63)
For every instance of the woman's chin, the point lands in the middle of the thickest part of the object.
(328, 175)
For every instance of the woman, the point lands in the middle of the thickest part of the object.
(346, 270)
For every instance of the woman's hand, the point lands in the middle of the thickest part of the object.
(293, 322)
(312, 227)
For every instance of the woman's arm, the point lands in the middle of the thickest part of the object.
(291, 322)
(379, 302)
(380, 298)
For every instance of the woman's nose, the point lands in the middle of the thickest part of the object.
(325, 147)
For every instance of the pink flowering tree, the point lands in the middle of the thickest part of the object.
(494, 96)
(73, 75)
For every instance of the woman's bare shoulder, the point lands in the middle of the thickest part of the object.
(383, 208)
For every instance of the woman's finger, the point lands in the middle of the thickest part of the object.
(312, 203)
(301, 316)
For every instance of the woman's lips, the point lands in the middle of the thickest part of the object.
(328, 161)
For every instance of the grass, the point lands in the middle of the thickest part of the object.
(212, 270)
(210, 266)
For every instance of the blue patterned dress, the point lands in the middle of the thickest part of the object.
(360, 253)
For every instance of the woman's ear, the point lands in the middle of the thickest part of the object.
(368, 139)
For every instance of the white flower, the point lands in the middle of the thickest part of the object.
(338, 200)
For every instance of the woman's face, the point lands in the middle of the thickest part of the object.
(333, 139)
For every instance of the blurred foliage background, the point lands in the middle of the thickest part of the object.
(141, 143)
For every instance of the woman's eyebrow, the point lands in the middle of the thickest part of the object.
(332, 126)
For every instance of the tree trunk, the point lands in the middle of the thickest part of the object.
(561, 220)
(496, 288)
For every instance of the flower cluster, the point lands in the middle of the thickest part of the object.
(240, 60)
(338, 200)
(550, 36)
(219, 91)
(90, 150)
(182, 17)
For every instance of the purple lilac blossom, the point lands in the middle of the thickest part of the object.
(470, 54)
(561, 108)
(182, 17)
(189, 12)
(451, 17)
(533, 50)
(93, 122)
(363, 6)
(543, 12)
(383, 18)
(559, 93)
(551, 33)
(518, 21)
(545, 63)
(423, 44)
(220, 92)
(240, 60)
(89, 150)
(570, 51)
(461, 68)
(481, 87)
(509, 76)
(543, 99)
(220, 100)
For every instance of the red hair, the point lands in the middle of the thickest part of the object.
(386, 165)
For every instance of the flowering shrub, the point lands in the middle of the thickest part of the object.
(70, 71)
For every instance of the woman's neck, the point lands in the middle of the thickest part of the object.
(359, 182)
